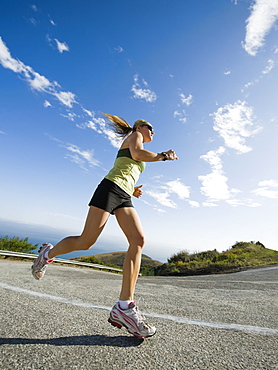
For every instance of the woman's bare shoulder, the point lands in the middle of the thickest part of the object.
(128, 140)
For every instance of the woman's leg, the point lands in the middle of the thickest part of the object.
(95, 222)
(129, 222)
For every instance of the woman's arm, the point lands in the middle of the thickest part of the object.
(138, 153)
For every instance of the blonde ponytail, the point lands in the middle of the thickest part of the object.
(119, 125)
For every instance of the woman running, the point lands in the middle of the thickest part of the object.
(113, 196)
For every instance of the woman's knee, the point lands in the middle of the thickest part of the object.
(138, 241)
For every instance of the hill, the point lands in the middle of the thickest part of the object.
(241, 256)
(116, 259)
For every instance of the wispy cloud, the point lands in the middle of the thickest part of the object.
(162, 198)
(55, 43)
(234, 123)
(34, 7)
(268, 68)
(119, 49)
(99, 125)
(267, 189)
(187, 100)
(82, 158)
(70, 116)
(66, 97)
(2, 133)
(194, 204)
(264, 14)
(144, 92)
(61, 46)
(243, 202)
(36, 81)
(181, 113)
(46, 104)
(164, 191)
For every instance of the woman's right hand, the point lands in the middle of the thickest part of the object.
(171, 155)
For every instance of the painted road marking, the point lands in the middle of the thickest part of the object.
(182, 320)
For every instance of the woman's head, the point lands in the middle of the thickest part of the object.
(140, 122)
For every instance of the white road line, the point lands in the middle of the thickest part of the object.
(182, 320)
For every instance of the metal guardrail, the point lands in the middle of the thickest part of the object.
(60, 260)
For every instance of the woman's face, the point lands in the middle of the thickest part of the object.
(147, 131)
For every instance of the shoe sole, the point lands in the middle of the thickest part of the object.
(119, 325)
(34, 274)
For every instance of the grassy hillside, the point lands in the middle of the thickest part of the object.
(240, 256)
(116, 259)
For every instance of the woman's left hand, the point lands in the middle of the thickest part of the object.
(137, 191)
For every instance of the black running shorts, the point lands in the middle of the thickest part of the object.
(109, 197)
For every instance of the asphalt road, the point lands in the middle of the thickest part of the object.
(204, 322)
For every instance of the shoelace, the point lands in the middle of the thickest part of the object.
(140, 317)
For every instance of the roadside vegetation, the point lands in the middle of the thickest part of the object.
(240, 256)
(17, 245)
(116, 259)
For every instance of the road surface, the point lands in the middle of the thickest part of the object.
(203, 322)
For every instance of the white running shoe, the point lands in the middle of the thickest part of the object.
(132, 320)
(40, 263)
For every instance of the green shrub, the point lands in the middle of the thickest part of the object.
(17, 245)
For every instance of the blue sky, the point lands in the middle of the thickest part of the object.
(204, 74)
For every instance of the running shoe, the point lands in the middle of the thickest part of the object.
(132, 320)
(40, 263)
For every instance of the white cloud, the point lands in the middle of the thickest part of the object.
(214, 185)
(52, 22)
(39, 83)
(34, 7)
(233, 122)
(264, 189)
(181, 115)
(269, 67)
(228, 72)
(47, 104)
(81, 157)
(162, 198)
(8, 62)
(142, 93)
(2, 133)
(209, 204)
(99, 125)
(119, 49)
(65, 97)
(61, 46)
(163, 192)
(243, 202)
(186, 100)
(70, 116)
(264, 14)
(194, 204)
(270, 183)
(177, 187)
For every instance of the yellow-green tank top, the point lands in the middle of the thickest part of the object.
(126, 171)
